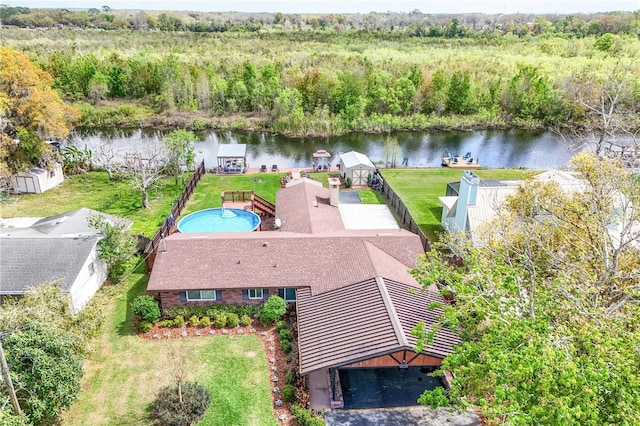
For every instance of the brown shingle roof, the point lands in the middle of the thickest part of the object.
(364, 320)
(280, 259)
(304, 208)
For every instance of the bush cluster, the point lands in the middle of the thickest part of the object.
(245, 320)
(145, 326)
(272, 310)
(166, 409)
(305, 417)
(220, 320)
(253, 311)
(232, 320)
(146, 308)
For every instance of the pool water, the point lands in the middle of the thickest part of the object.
(219, 220)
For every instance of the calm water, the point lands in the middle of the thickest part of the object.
(516, 148)
(219, 220)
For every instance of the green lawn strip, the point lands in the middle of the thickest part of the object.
(419, 189)
(235, 370)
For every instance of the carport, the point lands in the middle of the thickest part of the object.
(385, 387)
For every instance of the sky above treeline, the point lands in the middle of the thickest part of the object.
(348, 6)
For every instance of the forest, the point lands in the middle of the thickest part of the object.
(362, 72)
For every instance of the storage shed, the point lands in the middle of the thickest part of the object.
(232, 158)
(37, 180)
(357, 167)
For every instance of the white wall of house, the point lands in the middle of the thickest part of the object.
(89, 280)
(36, 180)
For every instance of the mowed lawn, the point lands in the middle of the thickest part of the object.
(125, 372)
(419, 189)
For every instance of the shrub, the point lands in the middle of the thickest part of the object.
(290, 378)
(304, 416)
(220, 320)
(347, 182)
(194, 321)
(245, 320)
(145, 326)
(288, 359)
(232, 320)
(289, 393)
(178, 321)
(166, 409)
(273, 309)
(434, 398)
(166, 323)
(285, 345)
(205, 322)
(146, 308)
(281, 325)
(285, 334)
(210, 311)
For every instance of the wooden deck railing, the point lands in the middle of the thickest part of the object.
(258, 204)
(169, 222)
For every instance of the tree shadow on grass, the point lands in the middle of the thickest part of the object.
(125, 327)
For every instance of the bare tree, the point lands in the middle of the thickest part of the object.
(144, 169)
(607, 100)
(178, 362)
(107, 157)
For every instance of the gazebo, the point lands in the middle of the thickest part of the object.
(321, 160)
(232, 158)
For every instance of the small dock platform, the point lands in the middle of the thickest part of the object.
(466, 161)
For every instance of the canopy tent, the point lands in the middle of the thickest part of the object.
(232, 158)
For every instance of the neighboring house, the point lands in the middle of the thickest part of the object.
(352, 285)
(60, 248)
(36, 180)
(470, 205)
(357, 167)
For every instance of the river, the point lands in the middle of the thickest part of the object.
(494, 149)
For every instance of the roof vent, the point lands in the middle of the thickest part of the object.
(265, 244)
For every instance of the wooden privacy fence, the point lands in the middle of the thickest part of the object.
(169, 222)
(394, 202)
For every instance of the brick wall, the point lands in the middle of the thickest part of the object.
(169, 299)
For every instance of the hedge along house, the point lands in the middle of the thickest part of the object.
(61, 248)
(357, 167)
(351, 284)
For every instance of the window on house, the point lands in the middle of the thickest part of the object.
(256, 293)
(91, 269)
(196, 295)
(288, 294)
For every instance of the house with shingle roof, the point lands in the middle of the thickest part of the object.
(61, 248)
(356, 301)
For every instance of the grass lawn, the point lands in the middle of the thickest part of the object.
(125, 372)
(207, 193)
(419, 189)
(95, 191)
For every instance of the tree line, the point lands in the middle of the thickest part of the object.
(352, 93)
(414, 23)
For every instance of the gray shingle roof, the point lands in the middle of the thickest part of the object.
(68, 224)
(32, 261)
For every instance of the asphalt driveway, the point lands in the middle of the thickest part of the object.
(349, 197)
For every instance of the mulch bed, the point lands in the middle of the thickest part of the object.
(270, 341)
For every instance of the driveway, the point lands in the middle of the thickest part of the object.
(349, 197)
(407, 416)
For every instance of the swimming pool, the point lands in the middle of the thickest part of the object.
(219, 220)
